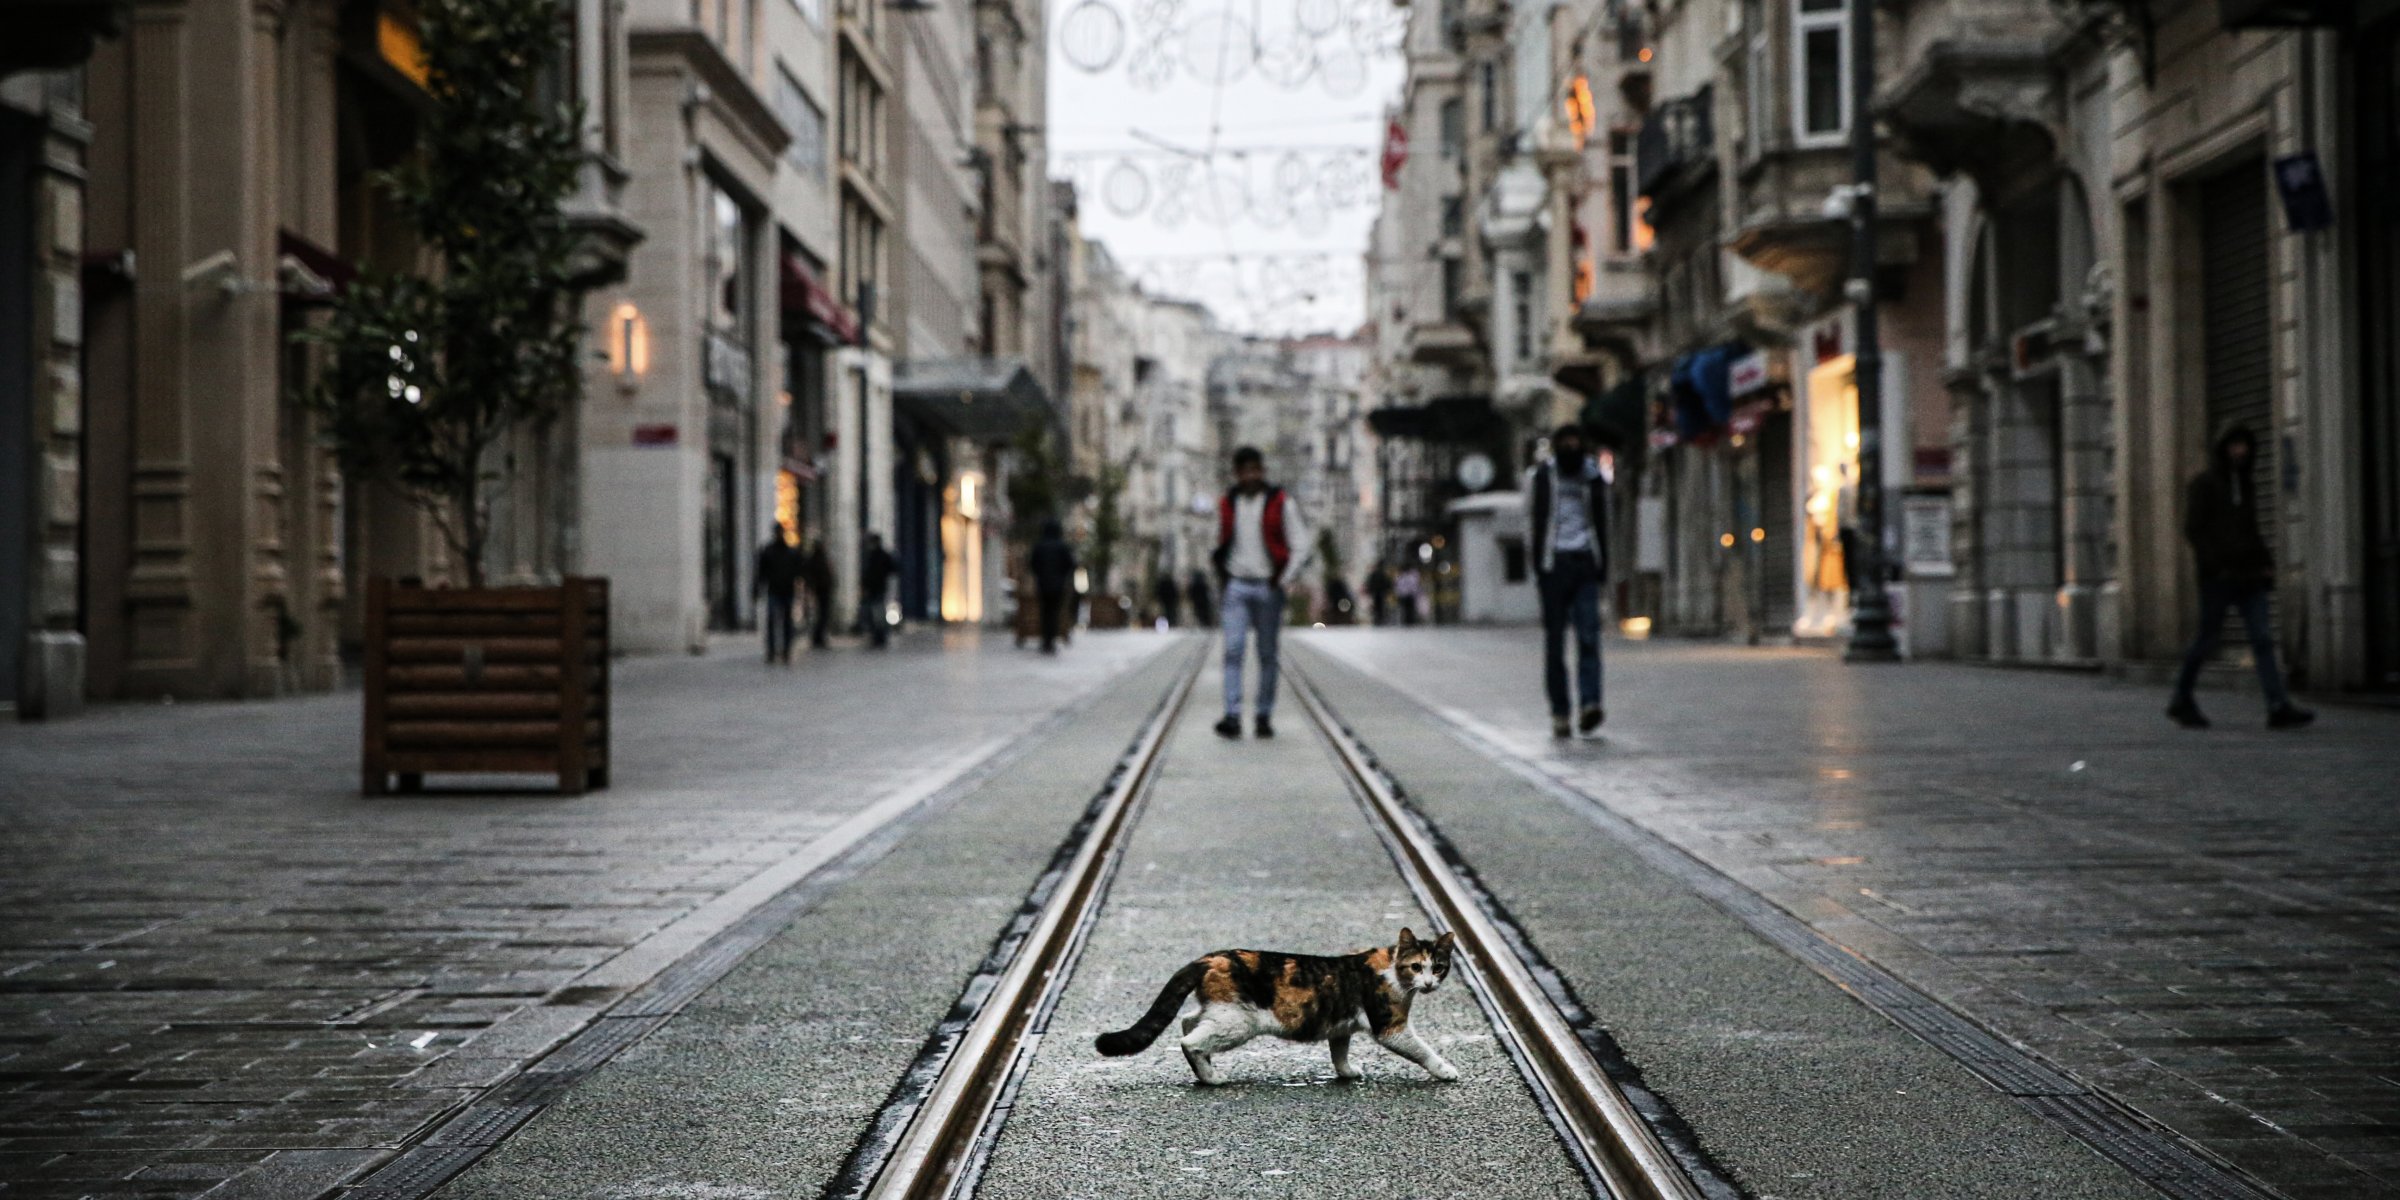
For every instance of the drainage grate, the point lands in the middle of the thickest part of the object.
(2159, 1158)
(599, 1042)
(482, 1125)
(415, 1173)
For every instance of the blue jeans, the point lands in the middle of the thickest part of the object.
(1251, 604)
(1571, 591)
(2250, 597)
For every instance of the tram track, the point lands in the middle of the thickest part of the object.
(943, 1121)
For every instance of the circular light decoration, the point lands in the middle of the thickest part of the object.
(1287, 60)
(1219, 48)
(1152, 64)
(1377, 26)
(1092, 36)
(1343, 74)
(1316, 18)
(1125, 189)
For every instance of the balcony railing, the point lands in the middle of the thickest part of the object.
(1678, 140)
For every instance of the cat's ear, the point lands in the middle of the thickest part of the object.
(1446, 941)
(1408, 937)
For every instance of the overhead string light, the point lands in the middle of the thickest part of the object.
(1272, 187)
(1327, 43)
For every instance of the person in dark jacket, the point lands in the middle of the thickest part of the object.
(1053, 563)
(1169, 597)
(816, 573)
(1204, 607)
(2237, 573)
(1569, 527)
(1379, 593)
(875, 570)
(777, 577)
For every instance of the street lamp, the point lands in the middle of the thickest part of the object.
(1870, 605)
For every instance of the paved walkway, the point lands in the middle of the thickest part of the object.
(2206, 925)
(220, 961)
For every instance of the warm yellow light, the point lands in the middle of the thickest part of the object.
(401, 48)
(1635, 627)
(1850, 439)
(1580, 111)
(1725, 540)
(1583, 280)
(1644, 55)
(1758, 535)
(787, 505)
(628, 343)
(969, 505)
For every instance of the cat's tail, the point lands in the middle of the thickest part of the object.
(1161, 1014)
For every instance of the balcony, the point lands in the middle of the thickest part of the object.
(1677, 146)
(1442, 344)
(1619, 310)
(1992, 108)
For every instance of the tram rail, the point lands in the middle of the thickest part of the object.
(943, 1141)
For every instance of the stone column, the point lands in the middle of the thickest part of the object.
(51, 679)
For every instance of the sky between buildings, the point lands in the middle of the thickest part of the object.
(1227, 151)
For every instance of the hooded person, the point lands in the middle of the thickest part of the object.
(1053, 566)
(2222, 523)
(1568, 518)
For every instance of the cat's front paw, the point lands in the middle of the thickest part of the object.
(1442, 1071)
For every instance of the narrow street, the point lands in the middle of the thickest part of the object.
(1845, 930)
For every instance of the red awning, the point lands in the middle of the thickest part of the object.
(805, 299)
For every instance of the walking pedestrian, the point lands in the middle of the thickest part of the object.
(1408, 588)
(816, 573)
(1379, 593)
(2237, 574)
(1262, 545)
(1569, 511)
(875, 570)
(776, 577)
(1169, 597)
(1204, 608)
(1053, 563)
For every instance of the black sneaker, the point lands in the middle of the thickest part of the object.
(1592, 716)
(2187, 714)
(1265, 726)
(1230, 727)
(2290, 716)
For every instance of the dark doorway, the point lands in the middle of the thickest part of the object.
(2377, 77)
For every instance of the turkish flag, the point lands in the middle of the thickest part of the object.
(1395, 153)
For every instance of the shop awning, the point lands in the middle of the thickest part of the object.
(982, 398)
(809, 303)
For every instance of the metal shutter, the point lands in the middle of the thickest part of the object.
(2237, 328)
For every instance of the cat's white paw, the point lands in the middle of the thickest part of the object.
(1444, 1072)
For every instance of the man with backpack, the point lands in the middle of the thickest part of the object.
(1262, 546)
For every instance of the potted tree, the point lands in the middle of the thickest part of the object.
(421, 374)
(1108, 531)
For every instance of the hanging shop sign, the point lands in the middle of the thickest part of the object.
(1748, 373)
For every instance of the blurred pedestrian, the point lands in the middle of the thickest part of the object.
(876, 566)
(1408, 588)
(1569, 510)
(1204, 607)
(1053, 563)
(1169, 597)
(2237, 574)
(777, 577)
(816, 573)
(1262, 545)
(1379, 593)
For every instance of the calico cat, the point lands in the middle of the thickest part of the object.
(1301, 998)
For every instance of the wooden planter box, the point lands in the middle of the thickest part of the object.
(486, 680)
(1108, 612)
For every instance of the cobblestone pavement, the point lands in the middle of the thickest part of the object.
(221, 965)
(2205, 925)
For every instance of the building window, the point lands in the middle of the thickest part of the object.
(1454, 128)
(806, 121)
(1755, 88)
(1520, 286)
(1453, 280)
(1628, 233)
(1820, 72)
(1491, 97)
(1454, 216)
